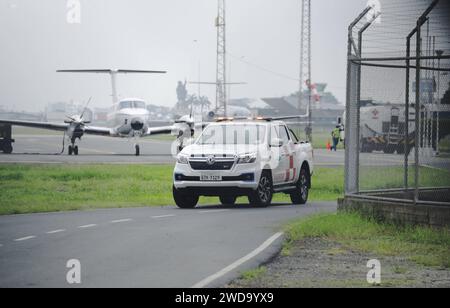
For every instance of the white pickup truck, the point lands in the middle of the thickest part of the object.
(253, 158)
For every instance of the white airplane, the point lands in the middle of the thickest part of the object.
(128, 118)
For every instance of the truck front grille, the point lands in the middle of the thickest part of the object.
(220, 163)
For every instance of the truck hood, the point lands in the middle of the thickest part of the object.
(229, 150)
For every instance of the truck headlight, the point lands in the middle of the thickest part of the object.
(182, 159)
(247, 159)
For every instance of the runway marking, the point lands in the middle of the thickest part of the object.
(238, 263)
(212, 211)
(56, 231)
(121, 220)
(434, 168)
(87, 226)
(25, 238)
(162, 216)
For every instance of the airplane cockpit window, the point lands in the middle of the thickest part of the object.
(125, 105)
(139, 105)
(132, 105)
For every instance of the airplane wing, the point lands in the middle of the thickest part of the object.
(91, 130)
(43, 125)
(162, 130)
(99, 131)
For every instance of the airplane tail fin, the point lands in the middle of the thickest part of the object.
(112, 73)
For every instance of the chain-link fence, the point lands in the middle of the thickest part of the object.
(398, 102)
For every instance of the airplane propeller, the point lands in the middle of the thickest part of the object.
(78, 120)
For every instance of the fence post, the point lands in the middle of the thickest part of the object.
(408, 62)
(418, 103)
(351, 111)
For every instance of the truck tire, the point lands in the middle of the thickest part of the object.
(7, 149)
(389, 149)
(262, 196)
(228, 200)
(300, 196)
(366, 147)
(184, 200)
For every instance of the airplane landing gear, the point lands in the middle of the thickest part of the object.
(5, 139)
(73, 150)
(138, 150)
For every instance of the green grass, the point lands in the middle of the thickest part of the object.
(47, 188)
(444, 145)
(320, 137)
(392, 177)
(423, 245)
(253, 274)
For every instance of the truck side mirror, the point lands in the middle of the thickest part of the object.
(339, 120)
(276, 143)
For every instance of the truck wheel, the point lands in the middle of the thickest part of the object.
(7, 149)
(389, 149)
(300, 196)
(366, 147)
(262, 197)
(184, 200)
(228, 200)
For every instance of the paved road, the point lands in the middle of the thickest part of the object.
(143, 247)
(93, 149)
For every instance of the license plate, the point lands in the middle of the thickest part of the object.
(211, 178)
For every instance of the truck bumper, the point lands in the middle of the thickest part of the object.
(240, 180)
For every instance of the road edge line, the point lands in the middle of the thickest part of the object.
(237, 263)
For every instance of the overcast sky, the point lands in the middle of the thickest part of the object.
(36, 40)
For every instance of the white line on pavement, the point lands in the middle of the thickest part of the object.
(238, 263)
(121, 220)
(87, 226)
(162, 216)
(25, 238)
(56, 231)
(212, 211)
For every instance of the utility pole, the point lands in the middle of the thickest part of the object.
(221, 81)
(305, 63)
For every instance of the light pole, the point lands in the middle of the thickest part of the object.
(439, 53)
(199, 75)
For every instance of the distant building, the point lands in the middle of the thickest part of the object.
(59, 111)
(324, 112)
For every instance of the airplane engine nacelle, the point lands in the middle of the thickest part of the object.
(181, 130)
(137, 124)
(211, 115)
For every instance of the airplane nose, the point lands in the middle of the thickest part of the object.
(137, 124)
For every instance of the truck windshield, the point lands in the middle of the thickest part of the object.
(233, 134)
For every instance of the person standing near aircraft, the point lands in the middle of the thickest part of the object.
(336, 135)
